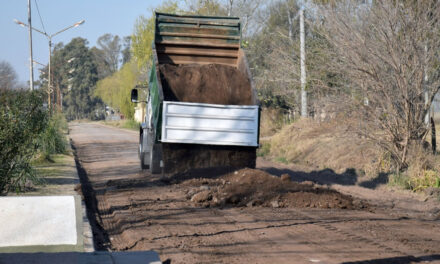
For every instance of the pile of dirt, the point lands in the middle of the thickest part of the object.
(212, 84)
(251, 187)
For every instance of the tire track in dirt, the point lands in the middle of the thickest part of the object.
(137, 211)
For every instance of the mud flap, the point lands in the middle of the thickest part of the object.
(143, 155)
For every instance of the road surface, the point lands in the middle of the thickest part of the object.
(133, 210)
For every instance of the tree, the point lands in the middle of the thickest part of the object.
(83, 77)
(143, 35)
(126, 53)
(111, 48)
(389, 53)
(8, 76)
(247, 10)
(75, 74)
(115, 89)
(101, 64)
(206, 8)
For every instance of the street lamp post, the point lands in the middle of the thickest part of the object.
(49, 37)
(31, 66)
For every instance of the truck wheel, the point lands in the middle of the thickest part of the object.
(144, 166)
(155, 157)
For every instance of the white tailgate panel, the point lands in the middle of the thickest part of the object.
(210, 124)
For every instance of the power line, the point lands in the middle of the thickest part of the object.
(41, 20)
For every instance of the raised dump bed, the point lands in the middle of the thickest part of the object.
(201, 101)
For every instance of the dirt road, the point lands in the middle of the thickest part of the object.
(133, 210)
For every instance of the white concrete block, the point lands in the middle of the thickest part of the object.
(37, 220)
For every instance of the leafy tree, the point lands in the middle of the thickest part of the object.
(143, 35)
(8, 76)
(79, 98)
(126, 53)
(115, 89)
(111, 49)
(75, 73)
(206, 8)
(102, 66)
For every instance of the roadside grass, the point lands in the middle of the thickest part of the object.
(126, 124)
(264, 149)
(331, 145)
(272, 121)
(323, 145)
(281, 160)
(53, 140)
(56, 176)
(426, 179)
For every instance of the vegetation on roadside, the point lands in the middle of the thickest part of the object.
(22, 120)
(26, 132)
(53, 139)
(126, 123)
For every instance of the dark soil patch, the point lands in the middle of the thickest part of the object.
(181, 158)
(251, 187)
(211, 84)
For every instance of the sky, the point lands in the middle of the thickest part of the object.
(101, 16)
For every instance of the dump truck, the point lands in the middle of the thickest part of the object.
(201, 108)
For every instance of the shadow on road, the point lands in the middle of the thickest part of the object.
(398, 260)
(328, 176)
(325, 176)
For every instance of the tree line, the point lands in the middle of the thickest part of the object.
(373, 61)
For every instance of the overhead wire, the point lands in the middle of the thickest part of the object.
(41, 20)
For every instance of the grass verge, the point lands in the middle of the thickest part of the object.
(126, 124)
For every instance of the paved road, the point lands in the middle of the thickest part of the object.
(133, 210)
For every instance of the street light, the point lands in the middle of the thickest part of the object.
(49, 37)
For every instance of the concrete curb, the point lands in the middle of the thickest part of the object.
(78, 247)
(67, 171)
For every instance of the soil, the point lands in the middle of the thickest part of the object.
(182, 158)
(269, 221)
(211, 84)
(251, 187)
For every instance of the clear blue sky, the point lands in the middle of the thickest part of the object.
(102, 16)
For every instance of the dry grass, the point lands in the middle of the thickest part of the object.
(272, 120)
(333, 145)
(125, 123)
(325, 145)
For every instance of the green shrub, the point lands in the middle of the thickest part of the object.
(22, 119)
(53, 140)
(264, 150)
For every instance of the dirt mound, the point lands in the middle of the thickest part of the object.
(250, 187)
(212, 84)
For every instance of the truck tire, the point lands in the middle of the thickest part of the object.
(144, 166)
(155, 158)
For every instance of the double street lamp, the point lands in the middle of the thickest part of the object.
(49, 37)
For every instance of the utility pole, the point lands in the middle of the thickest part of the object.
(31, 63)
(303, 64)
(49, 75)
